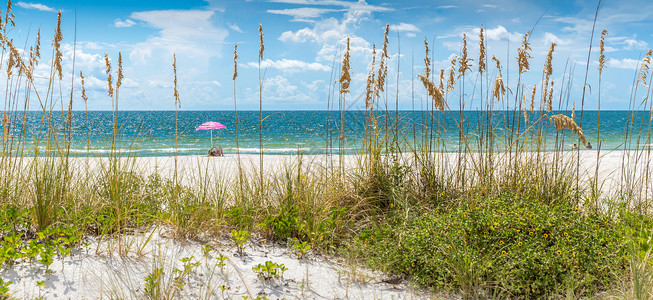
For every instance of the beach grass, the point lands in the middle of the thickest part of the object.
(499, 217)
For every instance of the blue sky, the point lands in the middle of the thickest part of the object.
(303, 38)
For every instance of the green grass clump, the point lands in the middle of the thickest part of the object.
(504, 245)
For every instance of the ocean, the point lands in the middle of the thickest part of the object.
(152, 133)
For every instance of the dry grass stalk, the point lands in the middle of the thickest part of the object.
(58, 56)
(573, 111)
(561, 121)
(523, 100)
(643, 71)
(523, 56)
(369, 85)
(499, 89)
(549, 103)
(345, 79)
(120, 76)
(601, 50)
(84, 97)
(441, 86)
(435, 93)
(9, 16)
(174, 70)
(235, 62)
(465, 62)
(481, 53)
(532, 107)
(11, 61)
(383, 66)
(69, 113)
(108, 72)
(496, 61)
(452, 74)
(5, 128)
(261, 46)
(427, 60)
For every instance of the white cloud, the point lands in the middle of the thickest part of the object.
(280, 89)
(360, 5)
(302, 35)
(626, 63)
(290, 65)
(234, 27)
(303, 13)
(446, 6)
(188, 32)
(37, 6)
(552, 38)
(404, 27)
(123, 24)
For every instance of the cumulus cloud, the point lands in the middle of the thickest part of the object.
(290, 65)
(37, 6)
(404, 27)
(302, 35)
(234, 27)
(625, 63)
(190, 32)
(303, 13)
(123, 24)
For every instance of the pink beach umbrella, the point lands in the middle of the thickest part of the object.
(210, 126)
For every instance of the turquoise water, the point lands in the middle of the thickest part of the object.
(150, 133)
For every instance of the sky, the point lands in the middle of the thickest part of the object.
(304, 43)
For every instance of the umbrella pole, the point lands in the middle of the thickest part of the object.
(211, 139)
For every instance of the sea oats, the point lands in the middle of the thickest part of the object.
(435, 93)
(532, 106)
(261, 46)
(9, 16)
(84, 97)
(235, 62)
(573, 111)
(523, 56)
(499, 89)
(481, 53)
(643, 71)
(345, 80)
(58, 56)
(441, 86)
(37, 46)
(120, 76)
(549, 103)
(383, 66)
(465, 62)
(561, 122)
(548, 67)
(496, 61)
(108, 72)
(601, 51)
(11, 61)
(369, 85)
(174, 70)
(427, 60)
(452, 74)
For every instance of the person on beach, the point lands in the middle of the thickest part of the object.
(574, 147)
(216, 151)
(589, 146)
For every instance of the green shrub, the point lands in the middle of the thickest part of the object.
(505, 244)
